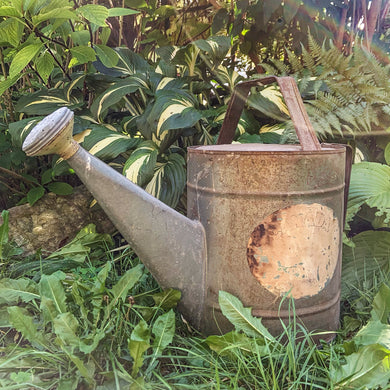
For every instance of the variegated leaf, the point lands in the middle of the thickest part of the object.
(227, 77)
(108, 144)
(173, 109)
(45, 101)
(116, 93)
(169, 180)
(216, 46)
(130, 63)
(269, 102)
(20, 129)
(140, 166)
(246, 123)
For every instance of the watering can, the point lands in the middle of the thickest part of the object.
(264, 221)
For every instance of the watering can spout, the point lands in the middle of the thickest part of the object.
(172, 246)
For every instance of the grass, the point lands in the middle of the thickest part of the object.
(98, 320)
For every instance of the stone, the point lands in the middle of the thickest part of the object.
(54, 220)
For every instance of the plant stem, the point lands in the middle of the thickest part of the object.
(16, 175)
(39, 76)
(121, 26)
(66, 74)
(11, 188)
(7, 93)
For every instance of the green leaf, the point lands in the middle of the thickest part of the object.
(241, 317)
(167, 299)
(120, 290)
(96, 14)
(216, 46)
(74, 250)
(4, 85)
(24, 323)
(81, 55)
(44, 66)
(106, 55)
(50, 287)
(375, 332)
(163, 330)
(380, 305)
(47, 176)
(115, 94)
(60, 188)
(44, 102)
(4, 229)
(269, 102)
(369, 256)
(91, 346)
(80, 38)
(169, 179)
(139, 168)
(117, 11)
(20, 129)
(220, 20)
(370, 184)
(35, 194)
(97, 291)
(13, 291)
(107, 144)
(11, 31)
(9, 11)
(48, 309)
(59, 13)
(65, 326)
(368, 368)
(23, 58)
(173, 109)
(230, 342)
(139, 343)
(86, 369)
(131, 63)
(387, 154)
(100, 281)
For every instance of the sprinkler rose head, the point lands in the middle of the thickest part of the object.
(52, 135)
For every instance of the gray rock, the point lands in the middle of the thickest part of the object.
(54, 220)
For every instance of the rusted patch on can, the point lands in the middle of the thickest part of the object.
(295, 250)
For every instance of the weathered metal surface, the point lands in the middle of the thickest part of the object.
(295, 250)
(53, 134)
(272, 216)
(170, 245)
(279, 202)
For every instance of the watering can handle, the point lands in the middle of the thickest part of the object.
(292, 97)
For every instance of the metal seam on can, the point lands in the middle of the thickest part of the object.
(198, 189)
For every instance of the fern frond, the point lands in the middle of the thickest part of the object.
(314, 48)
(269, 69)
(295, 62)
(283, 69)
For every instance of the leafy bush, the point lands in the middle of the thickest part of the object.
(43, 46)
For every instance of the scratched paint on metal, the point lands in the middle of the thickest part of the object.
(295, 250)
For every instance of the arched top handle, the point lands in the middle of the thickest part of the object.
(292, 97)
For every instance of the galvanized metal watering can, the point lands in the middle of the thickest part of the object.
(264, 221)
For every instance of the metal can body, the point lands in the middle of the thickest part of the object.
(273, 216)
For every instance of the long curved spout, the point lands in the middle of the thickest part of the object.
(172, 246)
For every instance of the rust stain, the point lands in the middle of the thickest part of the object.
(295, 250)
